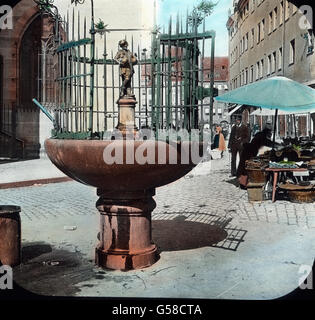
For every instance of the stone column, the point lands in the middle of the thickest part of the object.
(125, 235)
(126, 120)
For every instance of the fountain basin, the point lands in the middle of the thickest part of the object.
(125, 190)
(83, 161)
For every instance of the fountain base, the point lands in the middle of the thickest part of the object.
(125, 236)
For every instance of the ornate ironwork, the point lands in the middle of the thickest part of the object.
(77, 1)
(168, 81)
(100, 27)
(47, 6)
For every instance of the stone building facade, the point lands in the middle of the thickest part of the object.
(23, 129)
(221, 77)
(19, 49)
(265, 40)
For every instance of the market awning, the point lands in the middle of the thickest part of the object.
(268, 112)
(276, 93)
(273, 93)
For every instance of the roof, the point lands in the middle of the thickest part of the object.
(221, 68)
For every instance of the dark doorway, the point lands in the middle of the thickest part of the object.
(27, 113)
(29, 64)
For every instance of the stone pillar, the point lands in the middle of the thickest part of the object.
(126, 120)
(125, 235)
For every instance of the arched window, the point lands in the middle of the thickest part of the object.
(29, 63)
(1, 81)
(1, 92)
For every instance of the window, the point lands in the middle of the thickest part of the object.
(246, 41)
(280, 59)
(258, 33)
(262, 29)
(294, 9)
(257, 70)
(281, 13)
(270, 22)
(292, 52)
(253, 38)
(310, 41)
(251, 74)
(269, 65)
(259, 2)
(287, 10)
(1, 80)
(246, 76)
(273, 62)
(262, 68)
(275, 18)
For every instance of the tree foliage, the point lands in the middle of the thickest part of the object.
(202, 10)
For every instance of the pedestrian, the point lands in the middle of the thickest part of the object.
(239, 135)
(219, 142)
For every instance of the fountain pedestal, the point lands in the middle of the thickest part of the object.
(126, 109)
(125, 193)
(125, 235)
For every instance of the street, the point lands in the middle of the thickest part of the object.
(213, 243)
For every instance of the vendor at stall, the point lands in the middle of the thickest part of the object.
(250, 150)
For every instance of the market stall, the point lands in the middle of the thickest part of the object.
(288, 168)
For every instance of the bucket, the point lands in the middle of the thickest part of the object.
(10, 235)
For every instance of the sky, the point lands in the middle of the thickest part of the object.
(216, 21)
(166, 8)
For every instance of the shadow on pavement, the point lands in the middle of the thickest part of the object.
(51, 272)
(30, 252)
(233, 181)
(178, 234)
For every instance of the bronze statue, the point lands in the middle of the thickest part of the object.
(126, 62)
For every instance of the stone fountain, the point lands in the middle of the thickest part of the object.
(125, 189)
(104, 146)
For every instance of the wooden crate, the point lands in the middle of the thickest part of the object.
(255, 191)
(256, 175)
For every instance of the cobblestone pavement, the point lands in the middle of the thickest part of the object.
(265, 242)
(206, 192)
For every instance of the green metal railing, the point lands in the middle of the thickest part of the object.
(168, 82)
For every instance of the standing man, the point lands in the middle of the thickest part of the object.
(239, 136)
